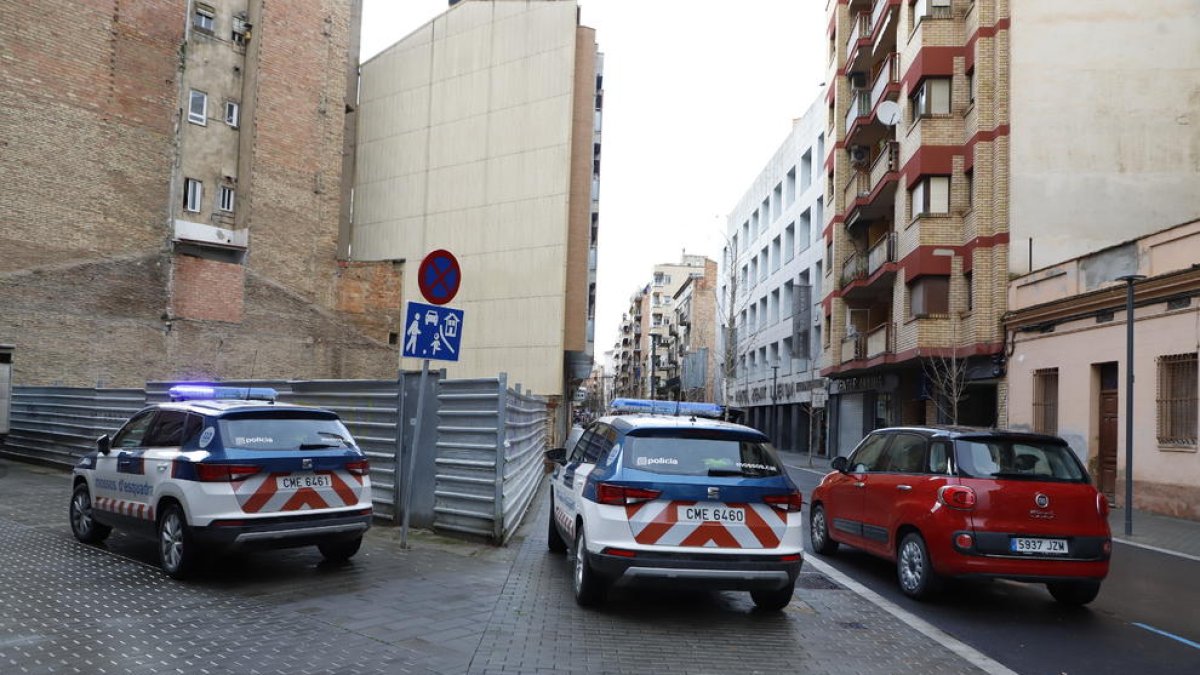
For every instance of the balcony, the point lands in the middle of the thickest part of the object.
(888, 75)
(860, 106)
(871, 272)
(879, 340)
(854, 348)
(887, 162)
(858, 186)
(861, 28)
(853, 269)
(883, 252)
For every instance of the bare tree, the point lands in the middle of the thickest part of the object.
(948, 375)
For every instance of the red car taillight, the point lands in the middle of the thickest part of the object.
(792, 501)
(224, 473)
(619, 495)
(957, 497)
(1101, 505)
(359, 467)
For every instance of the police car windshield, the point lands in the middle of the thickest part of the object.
(284, 430)
(701, 455)
(1017, 460)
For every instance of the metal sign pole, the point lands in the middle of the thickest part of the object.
(412, 453)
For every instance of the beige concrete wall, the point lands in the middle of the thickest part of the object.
(464, 143)
(579, 236)
(1105, 123)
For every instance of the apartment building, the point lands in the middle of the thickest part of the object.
(1067, 364)
(770, 280)
(174, 175)
(691, 351)
(631, 346)
(479, 133)
(971, 140)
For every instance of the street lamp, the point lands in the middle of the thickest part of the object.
(1129, 280)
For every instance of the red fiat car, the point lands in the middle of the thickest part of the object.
(959, 502)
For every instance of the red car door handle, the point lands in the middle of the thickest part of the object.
(904, 488)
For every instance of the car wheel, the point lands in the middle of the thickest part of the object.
(914, 569)
(176, 552)
(340, 550)
(589, 586)
(818, 531)
(773, 601)
(1074, 592)
(83, 526)
(554, 540)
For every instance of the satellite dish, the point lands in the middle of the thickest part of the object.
(889, 113)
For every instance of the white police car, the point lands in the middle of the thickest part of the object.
(662, 496)
(225, 468)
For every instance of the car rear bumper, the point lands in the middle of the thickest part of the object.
(990, 558)
(698, 571)
(284, 532)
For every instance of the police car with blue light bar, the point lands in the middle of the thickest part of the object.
(225, 468)
(660, 493)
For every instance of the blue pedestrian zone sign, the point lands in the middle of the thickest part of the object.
(432, 332)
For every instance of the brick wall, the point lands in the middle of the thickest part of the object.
(370, 295)
(207, 289)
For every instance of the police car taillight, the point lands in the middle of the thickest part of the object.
(359, 468)
(789, 502)
(620, 495)
(224, 473)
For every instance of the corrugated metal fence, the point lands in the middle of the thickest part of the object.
(489, 446)
(477, 478)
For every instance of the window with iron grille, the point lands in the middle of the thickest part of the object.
(1177, 399)
(1045, 401)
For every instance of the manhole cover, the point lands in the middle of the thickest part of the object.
(816, 582)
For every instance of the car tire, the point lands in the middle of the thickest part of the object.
(83, 525)
(818, 531)
(589, 587)
(773, 601)
(914, 568)
(340, 550)
(177, 552)
(554, 540)
(1075, 593)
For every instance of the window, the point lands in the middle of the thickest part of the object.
(231, 114)
(971, 82)
(202, 19)
(869, 453)
(167, 430)
(1045, 401)
(969, 282)
(133, 432)
(932, 97)
(939, 457)
(225, 198)
(241, 30)
(1177, 400)
(193, 194)
(931, 195)
(198, 108)
(929, 295)
(906, 454)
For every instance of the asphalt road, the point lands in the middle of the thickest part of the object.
(1022, 627)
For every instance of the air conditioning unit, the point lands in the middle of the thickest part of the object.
(858, 80)
(859, 154)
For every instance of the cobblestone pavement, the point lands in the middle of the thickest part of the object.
(442, 606)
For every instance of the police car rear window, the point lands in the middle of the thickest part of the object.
(701, 455)
(284, 430)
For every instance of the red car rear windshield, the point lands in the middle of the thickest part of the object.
(1017, 460)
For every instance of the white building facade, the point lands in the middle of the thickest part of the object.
(770, 288)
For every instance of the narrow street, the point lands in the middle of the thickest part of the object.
(1021, 626)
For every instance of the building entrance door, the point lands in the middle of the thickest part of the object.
(1109, 415)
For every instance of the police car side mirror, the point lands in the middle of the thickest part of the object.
(557, 455)
(104, 444)
(840, 464)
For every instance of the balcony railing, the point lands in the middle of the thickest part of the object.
(877, 11)
(854, 347)
(879, 340)
(859, 185)
(888, 75)
(883, 252)
(860, 105)
(853, 268)
(861, 29)
(887, 162)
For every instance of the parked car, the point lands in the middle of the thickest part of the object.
(958, 502)
(664, 496)
(225, 468)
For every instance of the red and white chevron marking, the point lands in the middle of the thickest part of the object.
(657, 522)
(124, 508)
(261, 493)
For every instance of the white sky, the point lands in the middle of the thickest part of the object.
(698, 95)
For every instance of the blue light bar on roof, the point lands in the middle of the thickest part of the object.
(625, 406)
(202, 392)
